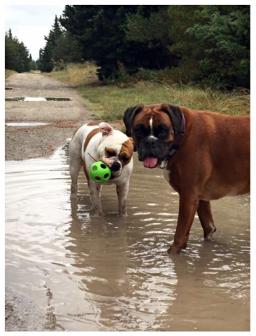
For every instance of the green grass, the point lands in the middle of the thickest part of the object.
(109, 102)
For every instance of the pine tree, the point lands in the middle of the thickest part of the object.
(16, 54)
(46, 55)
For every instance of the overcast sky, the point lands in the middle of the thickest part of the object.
(30, 23)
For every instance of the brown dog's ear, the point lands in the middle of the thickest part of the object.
(175, 115)
(128, 118)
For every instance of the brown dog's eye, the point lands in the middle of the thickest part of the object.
(161, 131)
(141, 130)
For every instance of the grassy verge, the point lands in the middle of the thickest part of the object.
(8, 73)
(76, 75)
(108, 102)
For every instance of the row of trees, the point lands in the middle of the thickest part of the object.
(17, 56)
(201, 44)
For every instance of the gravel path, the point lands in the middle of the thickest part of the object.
(63, 116)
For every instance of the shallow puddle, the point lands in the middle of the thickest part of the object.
(88, 273)
(26, 124)
(37, 99)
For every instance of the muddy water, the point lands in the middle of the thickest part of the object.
(86, 273)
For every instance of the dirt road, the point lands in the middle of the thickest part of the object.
(61, 117)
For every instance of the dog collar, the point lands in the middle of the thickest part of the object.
(178, 136)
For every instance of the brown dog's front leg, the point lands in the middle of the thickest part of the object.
(206, 220)
(187, 209)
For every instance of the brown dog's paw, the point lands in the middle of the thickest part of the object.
(174, 249)
(209, 235)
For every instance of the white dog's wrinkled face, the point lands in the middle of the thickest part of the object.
(115, 149)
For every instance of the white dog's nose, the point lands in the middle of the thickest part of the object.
(115, 166)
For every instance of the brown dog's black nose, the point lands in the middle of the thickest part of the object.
(115, 166)
(151, 142)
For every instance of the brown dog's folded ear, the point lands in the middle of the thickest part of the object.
(175, 115)
(128, 118)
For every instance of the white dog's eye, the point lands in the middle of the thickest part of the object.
(110, 152)
(124, 158)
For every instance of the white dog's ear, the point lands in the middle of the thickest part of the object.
(105, 128)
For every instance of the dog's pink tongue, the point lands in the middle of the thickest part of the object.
(150, 162)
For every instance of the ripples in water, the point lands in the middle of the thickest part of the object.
(114, 274)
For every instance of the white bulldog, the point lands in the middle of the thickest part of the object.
(92, 143)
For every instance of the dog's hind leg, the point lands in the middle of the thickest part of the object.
(206, 219)
(74, 171)
(75, 163)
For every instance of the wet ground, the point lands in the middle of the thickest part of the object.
(36, 127)
(66, 270)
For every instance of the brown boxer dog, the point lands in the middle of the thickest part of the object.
(205, 156)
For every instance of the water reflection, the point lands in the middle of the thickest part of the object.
(114, 274)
